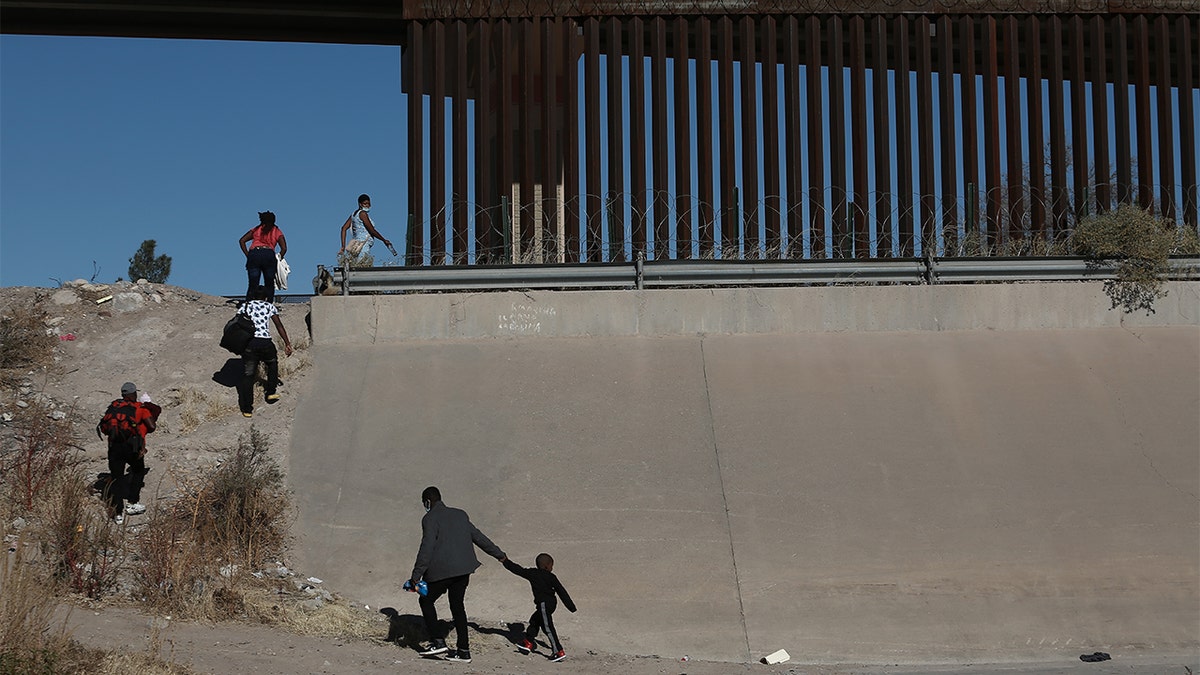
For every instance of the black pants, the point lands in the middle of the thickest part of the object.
(543, 618)
(261, 263)
(260, 350)
(456, 590)
(124, 485)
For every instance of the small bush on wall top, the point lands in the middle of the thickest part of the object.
(1140, 244)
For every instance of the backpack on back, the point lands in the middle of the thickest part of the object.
(119, 421)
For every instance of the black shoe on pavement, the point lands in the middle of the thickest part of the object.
(460, 655)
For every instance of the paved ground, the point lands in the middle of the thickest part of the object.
(896, 499)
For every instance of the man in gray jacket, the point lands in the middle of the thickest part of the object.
(445, 562)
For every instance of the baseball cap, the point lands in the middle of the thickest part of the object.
(128, 388)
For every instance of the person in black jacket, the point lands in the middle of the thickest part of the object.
(445, 562)
(545, 586)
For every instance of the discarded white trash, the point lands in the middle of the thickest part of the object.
(315, 580)
(776, 657)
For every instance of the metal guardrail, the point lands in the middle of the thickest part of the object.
(970, 270)
(676, 273)
(717, 273)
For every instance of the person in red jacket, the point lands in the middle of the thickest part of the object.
(125, 424)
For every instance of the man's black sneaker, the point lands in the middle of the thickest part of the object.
(460, 655)
(434, 648)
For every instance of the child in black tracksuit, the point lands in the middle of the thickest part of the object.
(544, 585)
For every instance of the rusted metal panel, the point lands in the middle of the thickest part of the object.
(1186, 46)
(949, 121)
(883, 146)
(486, 133)
(970, 131)
(1037, 138)
(859, 135)
(552, 143)
(616, 142)
(1079, 122)
(838, 183)
(594, 212)
(571, 209)
(1098, 75)
(437, 146)
(1141, 92)
(1166, 126)
(527, 203)
(414, 62)
(749, 217)
(772, 190)
(1014, 166)
(637, 133)
(459, 139)
(704, 135)
(1121, 116)
(816, 132)
(1059, 198)
(681, 30)
(727, 130)
(526, 121)
(506, 121)
(904, 149)
(794, 134)
(925, 142)
(991, 128)
(661, 185)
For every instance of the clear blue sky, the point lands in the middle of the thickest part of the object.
(106, 142)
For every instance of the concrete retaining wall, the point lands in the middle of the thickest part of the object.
(370, 319)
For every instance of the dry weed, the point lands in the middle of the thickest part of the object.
(1140, 243)
(137, 663)
(197, 407)
(35, 452)
(331, 619)
(196, 549)
(25, 343)
(30, 638)
(85, 548)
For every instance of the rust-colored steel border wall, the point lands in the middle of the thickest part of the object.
(819, 135)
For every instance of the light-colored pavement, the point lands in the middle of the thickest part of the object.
(883, 498)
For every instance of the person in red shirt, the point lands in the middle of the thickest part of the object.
(126, 423)
(258, 245)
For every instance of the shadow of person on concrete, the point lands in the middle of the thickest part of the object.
(230, 374)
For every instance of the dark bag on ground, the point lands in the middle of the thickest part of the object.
(238, 332)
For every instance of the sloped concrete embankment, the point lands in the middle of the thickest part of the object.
(878, 483)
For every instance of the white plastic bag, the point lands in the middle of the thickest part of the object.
(282, 270)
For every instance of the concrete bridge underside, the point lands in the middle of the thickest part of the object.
(893, 496)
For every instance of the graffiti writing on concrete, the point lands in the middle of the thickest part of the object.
(525, 319)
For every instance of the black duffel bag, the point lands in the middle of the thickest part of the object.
(237, 334)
